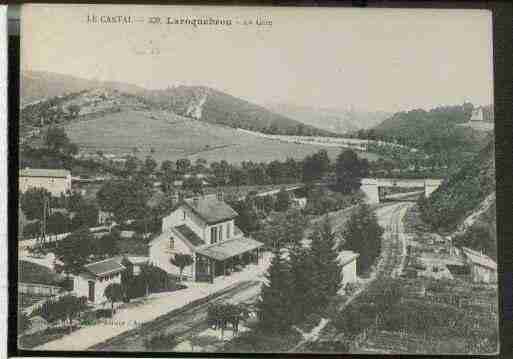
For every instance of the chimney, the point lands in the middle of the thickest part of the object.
(220, 196)
(195, 201)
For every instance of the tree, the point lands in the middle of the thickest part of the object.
(350, 170)
(74, 250)
(181, 261)
(85, 216)
(303, 282)
(193, 184)
(114, 293)
(326, 273)
(24, 322)
(74, 110)
(131, 165)
(477, 237)
(200, 165)
(285, 229)
(106, 246)
(126, 199)
(32, 202)
(64, 309)
(167, 166)
(222, 314)
(56, 139)
(183, 165)
(275, 298)
(315, 166)
(70, 306)
(149, 165)
(247, 220)
(57, 223)
(283, 200)
(363, 234)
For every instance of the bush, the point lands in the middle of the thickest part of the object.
(355, 318)
(311, 322)
(161, 342)
(103, 313)
(152, 279)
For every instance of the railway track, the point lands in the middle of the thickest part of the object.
(180, 323)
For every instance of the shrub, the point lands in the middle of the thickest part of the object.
(161, 342)
(103, 313)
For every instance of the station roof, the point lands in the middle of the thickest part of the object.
(231, 248)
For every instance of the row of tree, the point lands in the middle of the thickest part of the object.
(221, 173)
(59, 214)
(305, 275)
(301, 279)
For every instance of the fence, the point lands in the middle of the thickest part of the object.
(38, 289)
(28, 243)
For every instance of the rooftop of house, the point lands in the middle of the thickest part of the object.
(42, 172)
(479, 258)
(211, 209)
(189, 234)
(105, 267)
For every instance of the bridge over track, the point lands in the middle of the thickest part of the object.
(371, 186)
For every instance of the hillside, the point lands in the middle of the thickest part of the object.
(331, 119)
(38, 85)
(462, 192)
(213, 106)
(434, 131)
(49, 90)
(167, 136)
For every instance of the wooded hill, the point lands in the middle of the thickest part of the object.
(45, 92)
(220, 108)
(462, 192)
(436, 131)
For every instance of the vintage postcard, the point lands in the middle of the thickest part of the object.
(256, 179)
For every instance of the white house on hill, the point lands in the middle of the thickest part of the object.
(55, 181)
(204, 228)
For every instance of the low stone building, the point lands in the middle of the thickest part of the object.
(97, 276)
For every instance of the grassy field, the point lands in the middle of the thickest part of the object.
(173, 137)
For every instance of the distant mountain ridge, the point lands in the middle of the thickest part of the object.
(331, 119)
(197, 102)
(39, 85)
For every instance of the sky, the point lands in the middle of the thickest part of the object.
(373, 59)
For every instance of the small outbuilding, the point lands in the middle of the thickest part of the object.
(347, 260)
(483, 269)
(95, 277)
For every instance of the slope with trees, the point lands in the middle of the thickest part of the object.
(220, 108)
(461, 193)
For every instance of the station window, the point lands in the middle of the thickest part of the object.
(213, 235)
